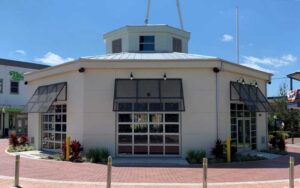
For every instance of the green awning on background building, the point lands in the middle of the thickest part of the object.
(11, 109)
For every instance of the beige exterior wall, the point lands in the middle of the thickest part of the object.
(90, 99)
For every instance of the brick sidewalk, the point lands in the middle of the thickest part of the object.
(275, 169)
(30, 184)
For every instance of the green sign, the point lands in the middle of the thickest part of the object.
(11, 110)
(16, 76)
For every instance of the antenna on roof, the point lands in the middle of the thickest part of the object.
(178, 10)
(237, 36)
(179, 14)
(148, 12)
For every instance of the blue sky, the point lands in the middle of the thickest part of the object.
(55, 31)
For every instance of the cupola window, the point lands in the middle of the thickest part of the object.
(177, 45)
(117, 46)
(147, 43)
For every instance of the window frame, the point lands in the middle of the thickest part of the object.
(14, 93)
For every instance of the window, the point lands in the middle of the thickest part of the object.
(177, 45)
(14, 87)
(148, 133)
(54, 127)
(1, 85)
(117, 46)
(147, 43)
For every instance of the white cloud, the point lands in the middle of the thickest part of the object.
(269, 62)
(53, 59)
(20, 52)
(255, 66)
(227, 38)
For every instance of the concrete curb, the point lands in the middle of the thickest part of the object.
(149, 184)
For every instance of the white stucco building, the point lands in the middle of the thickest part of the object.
(14, 95)
(148, 97)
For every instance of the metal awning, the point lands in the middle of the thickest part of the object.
(251, 95)
(148, 95)
(295, 76)
(44, 96)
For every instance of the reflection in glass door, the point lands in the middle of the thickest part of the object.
(244, 133)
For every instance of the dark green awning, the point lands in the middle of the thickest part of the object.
(43, 98)
(251, 95)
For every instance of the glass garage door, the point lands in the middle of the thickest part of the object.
(148, 133)
(54, 127)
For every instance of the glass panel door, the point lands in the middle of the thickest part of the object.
(247, 133)
(148, 133)
(244, 133)
(240, 124)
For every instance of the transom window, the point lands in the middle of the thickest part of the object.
(146, 133)
(147, 43)
(14, 87)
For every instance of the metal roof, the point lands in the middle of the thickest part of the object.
(295, 76)
(14, 63)
(150, 56)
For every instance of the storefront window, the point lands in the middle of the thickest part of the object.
(148, 133)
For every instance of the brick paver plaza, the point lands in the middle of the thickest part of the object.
(48, 173)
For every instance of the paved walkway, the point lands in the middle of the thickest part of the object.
(90, 175)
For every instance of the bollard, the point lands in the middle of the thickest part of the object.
(17, 172)
(228, 149)
(68, 141)
(291, 172)
(204, 173)
(109, 164)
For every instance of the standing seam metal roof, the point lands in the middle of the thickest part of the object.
(150, 56)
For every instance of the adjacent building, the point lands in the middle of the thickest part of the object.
(148, 97)
(14, 95)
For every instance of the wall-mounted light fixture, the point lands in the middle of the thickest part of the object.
(131, 76)
(81, 70)
(241, 80)
(165, 76)
(254, 82)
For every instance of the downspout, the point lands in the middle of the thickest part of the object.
(267, 114)
(217, 70)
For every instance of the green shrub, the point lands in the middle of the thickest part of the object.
(19, 148)
(97, 155)
(195, 156)
(277, 140)
(241, 158)
(218, 150)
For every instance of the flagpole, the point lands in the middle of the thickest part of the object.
(237, 36)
